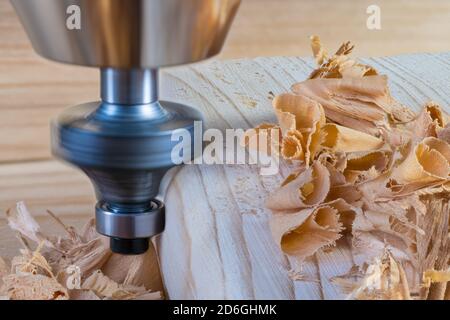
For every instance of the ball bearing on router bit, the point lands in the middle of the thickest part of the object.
(123, 142)
(124, 145)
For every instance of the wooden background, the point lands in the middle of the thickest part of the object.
(32, 90)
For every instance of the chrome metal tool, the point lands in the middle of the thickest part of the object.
(123, 142)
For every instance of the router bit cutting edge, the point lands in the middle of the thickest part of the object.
(123, 142)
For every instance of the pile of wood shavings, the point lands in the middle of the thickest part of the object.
(78, 266)
(367, 168)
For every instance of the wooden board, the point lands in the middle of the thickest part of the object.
(217, 242)
(229, 252)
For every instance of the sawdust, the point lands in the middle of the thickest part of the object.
(367, 166)
(384, 279)
(76, 266)
(363, 165)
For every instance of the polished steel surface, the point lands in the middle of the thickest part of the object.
(128, 33)
(129, 86)
(90, 137)
(124, 143)
(125, 150)
(130, 225)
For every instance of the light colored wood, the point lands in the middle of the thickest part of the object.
(42, 183)
(218, 213)
(282, 27)
(33, 90)
(217, 242)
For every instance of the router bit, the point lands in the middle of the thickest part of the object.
(123, 143)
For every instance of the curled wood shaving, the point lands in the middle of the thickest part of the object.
(303, 233)
(363, 104)
(76, 266)
(305, 189)
(23, 222)
(266, 138)
(339, 65)
(428, 123)
(427, 163)
(341, 139)
(384, 279)
(365, 165)
(301, 126)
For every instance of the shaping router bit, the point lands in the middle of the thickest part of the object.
(123, 142)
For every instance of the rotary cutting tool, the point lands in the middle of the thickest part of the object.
(123, 143)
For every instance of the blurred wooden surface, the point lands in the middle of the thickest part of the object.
(282, 27)
(32, 90)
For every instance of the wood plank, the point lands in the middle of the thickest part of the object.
(229, 253)
(228, 249)
(217, 232)
(279, 27)
(25, 122)
(46, 185)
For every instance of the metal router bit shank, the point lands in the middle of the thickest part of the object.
(124, 145)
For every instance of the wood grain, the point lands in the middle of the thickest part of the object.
(229, 252)
(33, 90)
(282, 27)
(41, 183)
(227, 248)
